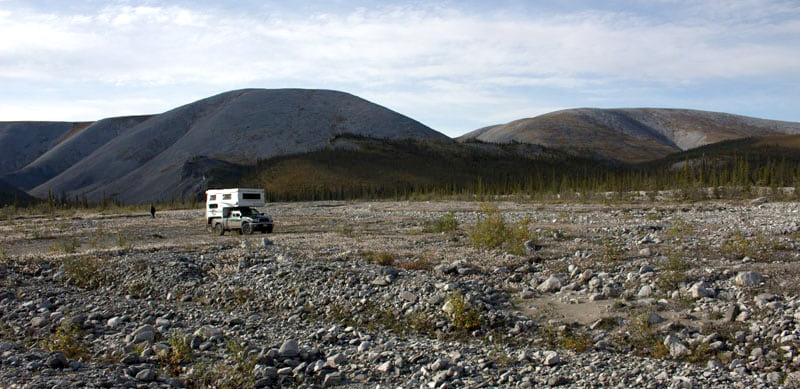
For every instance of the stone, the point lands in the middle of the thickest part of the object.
(748, 279)
(385, 367)
(114, 322)
(408, 296)
(56, 360)
(531, 247)
(364, 346)
(38, 321)
(289, 349)
(266, 242)
(646, 252)
(146, 375)
(440, 364)
(645, 291)
(557, 381)
(759, 201)
(551, 284)
(336, 360)
(654, 318)
(701, 289)
(145, 333)
(774, 378)
(332, 379)
(676, 348)
(208, 332)
(551, 358)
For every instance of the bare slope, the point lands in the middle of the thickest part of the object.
(148, 162)
(23, 142)
(630, 135)
(75, 146)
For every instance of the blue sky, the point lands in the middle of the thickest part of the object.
(453, 65)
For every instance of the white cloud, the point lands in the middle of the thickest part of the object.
(456, 57)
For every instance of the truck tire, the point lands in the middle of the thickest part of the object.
(247, 229)
(218, 229)
(269, 229)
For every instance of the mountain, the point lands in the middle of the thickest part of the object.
(165, 156)
(630, 135)
(23, 142)
(9, 195)
(361, 167)
(77, 144)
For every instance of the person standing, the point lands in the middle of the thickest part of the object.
(152, 211)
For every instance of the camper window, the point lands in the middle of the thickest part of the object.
(212, 197)
(212, 206)
(226, 196)
(251, 196)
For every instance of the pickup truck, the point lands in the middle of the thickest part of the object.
(243, 219)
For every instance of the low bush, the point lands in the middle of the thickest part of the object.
(86, 272)
(463, 315)
(68, 339)
(493, 231)
(446, 223)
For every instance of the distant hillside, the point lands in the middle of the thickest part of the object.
(73, 147)
(358, 167)
(630, 135)
(143, 159)
(10, 195)
(23, 142)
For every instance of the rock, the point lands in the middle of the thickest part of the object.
(676, 348)
(114, 322)
(208, 332)
(146, 375)
(364, 346)
(289, 349)
(774, 378)
(145, 333)
(646, 269)
(531, 247)
(446, 268)
(557, 381)
(332, 379)
(551, 358)
(266, 242)
(646, 252)
(244, 244)
(38, 321)
(701, 289)
(336, 360)
(748, 279)
(552, 284)
(759, 201)
(385, 367)
(56, 360)
(645, 291)
(440, 364)
(654, 318)
(731, 313)
(408, 296)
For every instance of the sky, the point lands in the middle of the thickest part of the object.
(455, 66)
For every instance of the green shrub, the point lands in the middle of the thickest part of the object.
(464, 316)
(179, 353)
(674, 272)
(86, 272)
(66, 246)
(383, 258)
(446, 223)
(492, 231)
(68, 339)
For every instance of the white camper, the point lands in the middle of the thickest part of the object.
(234, 209)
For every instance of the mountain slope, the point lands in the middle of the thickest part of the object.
(23, 142)
(148, 162)
(77, 145)
(10, 195)
(630, 135)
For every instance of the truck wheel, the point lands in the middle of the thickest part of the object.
(269, 229)
(247, 229)
(218, 229)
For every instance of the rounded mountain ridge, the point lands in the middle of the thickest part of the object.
(240, 126)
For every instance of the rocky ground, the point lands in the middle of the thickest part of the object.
(396, 294)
